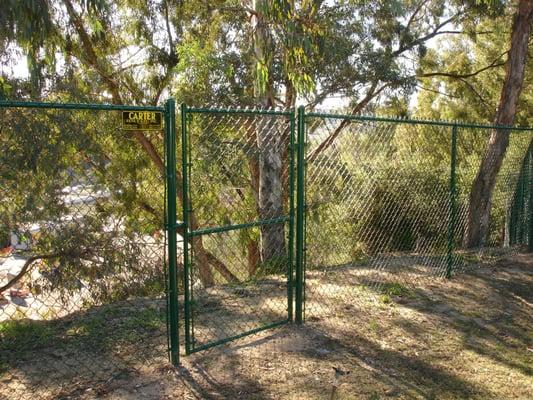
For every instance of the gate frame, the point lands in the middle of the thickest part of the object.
(289, 218)
(172, 227)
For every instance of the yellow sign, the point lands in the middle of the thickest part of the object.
(142, 120)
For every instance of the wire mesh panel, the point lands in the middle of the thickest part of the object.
(388, 204)
(377, 201)
(82, 277)
(507, 217)
(519, 223)
(239, 212)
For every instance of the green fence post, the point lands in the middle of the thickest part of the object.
(170, 138)
(521, 204)
(512, 216)
(451, 221)
(186, 227)
(290, 272)
(300, 199)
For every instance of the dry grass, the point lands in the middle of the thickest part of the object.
(468, 338)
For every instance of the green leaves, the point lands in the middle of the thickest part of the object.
(5, 88)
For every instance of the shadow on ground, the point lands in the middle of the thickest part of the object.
(467, 338)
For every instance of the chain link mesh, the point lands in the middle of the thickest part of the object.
(380, 216)
(519, 214)
(82, 240)
(240, 205)
(83, 252)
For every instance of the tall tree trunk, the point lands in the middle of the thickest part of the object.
(252, 247)
(477, 226)
(270, 146)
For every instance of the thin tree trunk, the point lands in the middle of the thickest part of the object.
(290, 101)
(28, 265)
(207, 260)
(477, 227)
(254, 256)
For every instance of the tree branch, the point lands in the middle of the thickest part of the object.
(473, 90)
(92, 59)
(27, 267)
(413, 15)
(371, 94)
(319, 98)
(90, 55)
(242, 9)
(436, 31)
(494, 64)
(437, 92)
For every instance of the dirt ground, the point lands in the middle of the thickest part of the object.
(467, 338)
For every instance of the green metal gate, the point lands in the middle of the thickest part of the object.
(238, 208)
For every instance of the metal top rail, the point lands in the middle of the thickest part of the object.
(416, 121)
(250, 111)
(78, 106)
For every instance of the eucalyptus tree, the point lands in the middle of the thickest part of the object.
(313, 50)
(483, 186)
(97, 51)
(232, 53)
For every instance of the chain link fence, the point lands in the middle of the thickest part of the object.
(268, 213)
(239, 196)
(82, 264)
(387, 208)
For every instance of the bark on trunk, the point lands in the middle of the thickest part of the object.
(271, 192)
(477, 227)
(269, 143)
(254, 257)
(253, 250)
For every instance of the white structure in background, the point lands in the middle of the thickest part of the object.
(79, 195)
(45, 304)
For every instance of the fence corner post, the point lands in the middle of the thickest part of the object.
(170, 139)
(452, 199)
(300, 209)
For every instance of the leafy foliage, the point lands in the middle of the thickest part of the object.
(206, 53)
